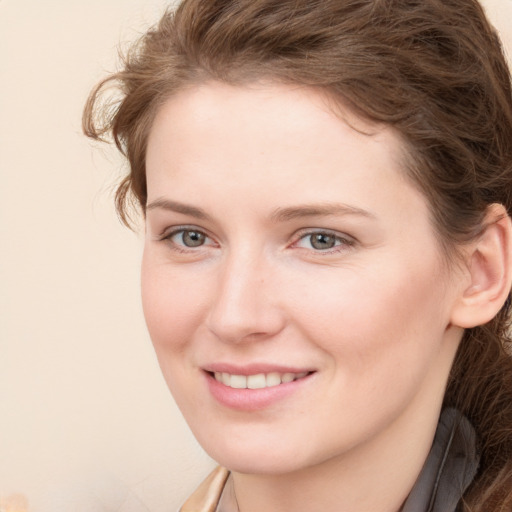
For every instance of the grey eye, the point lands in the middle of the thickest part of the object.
(322, 241)
(191, 238)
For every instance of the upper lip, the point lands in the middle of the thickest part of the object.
(253, 368)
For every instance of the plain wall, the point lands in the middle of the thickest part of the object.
(86, 422)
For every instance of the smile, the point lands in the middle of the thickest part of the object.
(257, 381)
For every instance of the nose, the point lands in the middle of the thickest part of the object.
(245, 305)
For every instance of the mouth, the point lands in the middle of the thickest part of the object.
(255, 387)
(257, 381)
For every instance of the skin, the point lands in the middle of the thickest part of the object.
(371, 316)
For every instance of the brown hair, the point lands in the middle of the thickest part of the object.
(432, 69)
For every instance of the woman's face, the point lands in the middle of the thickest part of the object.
(292, 284)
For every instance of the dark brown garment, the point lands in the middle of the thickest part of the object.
(448, 471)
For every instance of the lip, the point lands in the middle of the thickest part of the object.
(253, 399)
(253, 369)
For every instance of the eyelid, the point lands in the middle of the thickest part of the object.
(169, 232)
(347, 241)
(172, 230)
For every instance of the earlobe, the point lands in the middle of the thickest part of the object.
(490, 271)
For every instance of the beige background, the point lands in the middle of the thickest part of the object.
(86, 422)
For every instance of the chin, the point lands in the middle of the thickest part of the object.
(261, 464)
(258, 458)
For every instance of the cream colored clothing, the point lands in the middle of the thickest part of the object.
(448, 471)
(215, 494)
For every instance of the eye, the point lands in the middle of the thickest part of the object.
(322, 241)
(189, 238)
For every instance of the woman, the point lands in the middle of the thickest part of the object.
(326, 277)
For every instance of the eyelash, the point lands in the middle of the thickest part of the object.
(169, 235)
(342, 243)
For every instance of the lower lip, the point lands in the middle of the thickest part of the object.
(253, 399)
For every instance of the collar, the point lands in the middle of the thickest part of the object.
(449, 469)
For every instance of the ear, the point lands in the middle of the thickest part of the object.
(489, 261)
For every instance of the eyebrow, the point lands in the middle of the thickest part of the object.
(316, 210)
(279, 215)
(175, 206)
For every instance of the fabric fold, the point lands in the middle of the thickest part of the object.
(206, 497)
(449, 469)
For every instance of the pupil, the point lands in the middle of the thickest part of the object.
(193, 238)
(322, 241)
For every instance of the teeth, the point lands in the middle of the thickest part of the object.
(238, 381)
(258, 381)
(273, 379)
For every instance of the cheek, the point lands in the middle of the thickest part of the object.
(386, 321)
(382, 341)
(172, 304)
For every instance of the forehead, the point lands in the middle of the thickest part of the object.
(206, 100)
(302, 123)
(219, 142)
